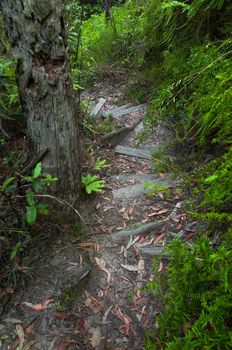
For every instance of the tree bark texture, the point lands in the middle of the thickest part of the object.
(36, 31)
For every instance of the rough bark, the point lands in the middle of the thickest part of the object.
(36, 31)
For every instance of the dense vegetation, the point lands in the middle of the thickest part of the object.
(181, 51)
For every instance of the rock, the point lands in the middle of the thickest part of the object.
(98, 106)
(123, 110)
(117, 136)
(153, 251)
(132, 152)
(134, 191)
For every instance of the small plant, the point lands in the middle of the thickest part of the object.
(154, 189)
(101, 164)
(92, 183)
(33, 184)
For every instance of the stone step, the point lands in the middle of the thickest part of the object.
(98, 106)
(134, 191)
(132, 152)
(123, 110)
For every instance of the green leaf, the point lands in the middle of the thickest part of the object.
(15, 250)
(37, 170)
(31, 215)
(7, 182)
(30, 198)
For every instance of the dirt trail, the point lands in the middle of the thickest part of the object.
(94, 287)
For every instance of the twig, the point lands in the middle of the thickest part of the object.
(62, 201)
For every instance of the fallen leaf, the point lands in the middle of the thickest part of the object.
(13, 320)
(39, 307)
(102, 264)
(29, 345)
(21, 336)
(123, 317)
(6, 292)
(132, 268)
(65, 343)
(62, 315)
(98, 205)
(163, 211)
(132, 242)
(160, 267)
(141, 266)
(84, 325)
(123, 227)
(106, 314)
(96, 337)
(157, 239)
(26, 331)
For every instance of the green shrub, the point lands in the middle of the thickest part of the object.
(197, 296)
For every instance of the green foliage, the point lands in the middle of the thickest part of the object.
(9, 98)
(197, 300)
(92, 183)
(20, 200)
(101, 164)
(154, 189)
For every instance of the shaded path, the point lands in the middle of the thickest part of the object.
(95, 285)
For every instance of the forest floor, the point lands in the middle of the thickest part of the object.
(87, 292)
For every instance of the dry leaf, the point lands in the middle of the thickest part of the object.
(157, 239)
(21, 335)
(106, 314)
(132, 242)
(163, 211)
(132, 268)
(12, 320)
(160, 267)
(141, 266)
(84, 326)
(96, 337)
(123, 227)
(123, 317)
(65, 344)
(29, 345)
(102, 264)
(98, 205)
(62, 315)
(39, 307)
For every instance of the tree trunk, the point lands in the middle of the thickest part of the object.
(36, 31)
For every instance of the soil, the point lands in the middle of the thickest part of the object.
(86, 288)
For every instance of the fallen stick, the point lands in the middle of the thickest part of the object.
(147, 228)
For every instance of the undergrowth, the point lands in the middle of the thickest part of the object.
(181, 51)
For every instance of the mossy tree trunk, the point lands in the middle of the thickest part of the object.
(36, 31)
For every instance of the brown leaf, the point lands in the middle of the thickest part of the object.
(6, 292)
(96, 337)
(123, 317)
(39, 307)
(157, 239)
(62, 315)
(66, 342)
(102, 264)
(106, 314)
(84, 325)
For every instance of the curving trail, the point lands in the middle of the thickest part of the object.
(89, 292)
